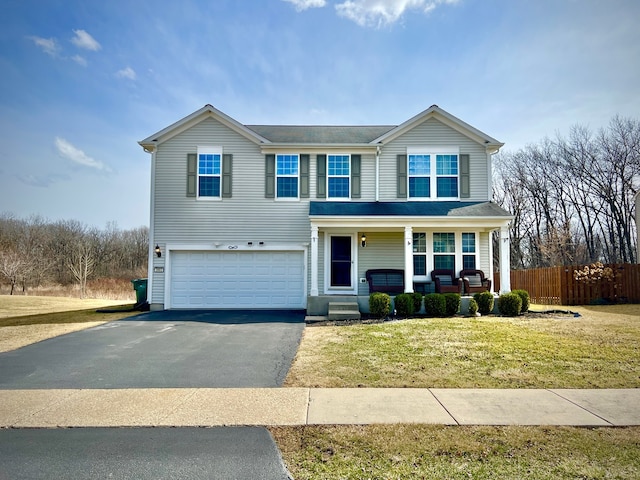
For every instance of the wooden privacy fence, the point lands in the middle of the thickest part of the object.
(558, 286)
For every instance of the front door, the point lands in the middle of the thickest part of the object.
(341, 262)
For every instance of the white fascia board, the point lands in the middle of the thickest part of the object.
(318, 148)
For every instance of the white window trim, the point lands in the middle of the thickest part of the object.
(204, 150)
(433, 152)
(476, 254)
(297, 176)
(338, 199)
(430, 264)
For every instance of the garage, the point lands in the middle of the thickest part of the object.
(237, 279)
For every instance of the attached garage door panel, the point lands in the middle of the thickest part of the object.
(237, 280)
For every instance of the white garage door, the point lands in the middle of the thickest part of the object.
(242, 279)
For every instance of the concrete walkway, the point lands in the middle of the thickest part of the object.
(204, 407)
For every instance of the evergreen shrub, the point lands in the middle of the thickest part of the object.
(379, 304)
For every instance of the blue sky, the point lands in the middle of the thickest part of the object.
(83, 81)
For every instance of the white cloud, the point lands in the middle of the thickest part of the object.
(79, 60)
(48, 45)
(377, 13)
(127, 72)
(70, 152)
(85, 41)
(301, 5)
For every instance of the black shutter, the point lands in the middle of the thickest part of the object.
(356, 161)
(304, 176)
(270, 176)
(192, 174)
(465, 186)
(321, 173)
(402, 176)
(227, 169)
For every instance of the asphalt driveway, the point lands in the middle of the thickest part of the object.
(190, 349)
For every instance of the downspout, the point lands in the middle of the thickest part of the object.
(151, 224)
(378, 173)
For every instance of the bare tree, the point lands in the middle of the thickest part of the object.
(82, 262)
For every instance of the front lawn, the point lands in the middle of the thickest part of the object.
(434, 452)
(599, 349)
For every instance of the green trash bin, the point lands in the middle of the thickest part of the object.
(140, 286)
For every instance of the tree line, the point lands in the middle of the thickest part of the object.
(36, 252)
(572, 196)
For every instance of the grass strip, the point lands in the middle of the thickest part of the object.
(481, 453)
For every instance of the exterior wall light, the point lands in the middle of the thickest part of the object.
(363, 240)
(158, 251)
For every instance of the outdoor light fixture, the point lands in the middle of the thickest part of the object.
(158, 251)
(363, 240)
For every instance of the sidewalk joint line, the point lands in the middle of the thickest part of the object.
(581, 407)
(442, 405)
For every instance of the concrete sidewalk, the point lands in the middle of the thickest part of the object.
(205, 407)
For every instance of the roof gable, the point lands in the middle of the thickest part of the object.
(196, 117)
(446, 118)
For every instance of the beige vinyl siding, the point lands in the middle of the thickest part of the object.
(485, 261)
(434, 133)
(383, 250)
(246, 216)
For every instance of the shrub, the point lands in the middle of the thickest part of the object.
(473, 307)
(485, 302)
(524, 296)
(417, 301)
(435, 305)
(452, 303)
(510, 304)
(379, 304)
(404, 304)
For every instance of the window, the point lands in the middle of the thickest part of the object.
(444, 249)
(209, 167)
(287, 176)
(433, 175)
(419, 254)
(447, 176)
(468, 251)
(419, 176)
(338, 176)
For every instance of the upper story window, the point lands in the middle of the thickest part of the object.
(433, 173)
(338, 176)
(287, 172)
(209, 172)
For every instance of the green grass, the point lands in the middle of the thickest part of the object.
(601, 349)
(430, 452)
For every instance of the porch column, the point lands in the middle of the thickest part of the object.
(408, 259)
(505, 261)
(314, 260)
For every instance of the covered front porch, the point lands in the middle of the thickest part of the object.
(350, 238)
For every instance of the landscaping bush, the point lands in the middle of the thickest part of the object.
(452, 303)
(417, 301)
(404, 304)
(485, 302)
(526, 300)
(379, 304)
(473, 307)
(435, 305)
(510, 304)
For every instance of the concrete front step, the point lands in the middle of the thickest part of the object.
(343, 311)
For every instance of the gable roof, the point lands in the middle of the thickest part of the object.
(445, 117)
(366, 135)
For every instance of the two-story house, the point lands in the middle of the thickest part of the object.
(280, 216)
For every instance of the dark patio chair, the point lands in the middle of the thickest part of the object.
(446, 281)
(474, 281)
